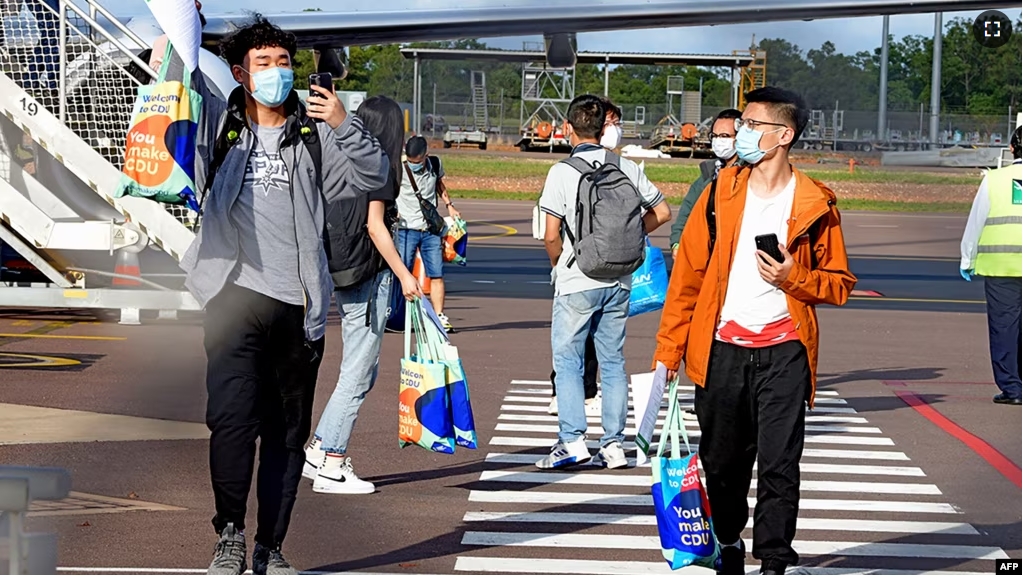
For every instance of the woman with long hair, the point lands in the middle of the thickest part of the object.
(363, 308)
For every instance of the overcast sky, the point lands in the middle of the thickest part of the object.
(849, 35)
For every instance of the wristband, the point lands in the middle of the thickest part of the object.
(674, 246)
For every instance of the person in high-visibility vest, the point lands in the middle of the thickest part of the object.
(992, 248)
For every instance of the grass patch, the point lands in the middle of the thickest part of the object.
(843, 203)
(509, 167)
(892, 206)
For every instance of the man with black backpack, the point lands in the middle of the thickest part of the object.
(741, 313)
(597, 198)
(269, 166)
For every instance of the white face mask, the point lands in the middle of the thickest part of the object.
(724, 148)
(612, 137)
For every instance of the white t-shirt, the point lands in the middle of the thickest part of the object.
(560, 192)
(750, 302)
(410, 214)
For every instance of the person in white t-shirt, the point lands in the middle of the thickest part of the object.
(586, 306)
(610, 138)
(745, 324)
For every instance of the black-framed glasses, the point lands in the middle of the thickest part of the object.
(752, 124)
(712, 135)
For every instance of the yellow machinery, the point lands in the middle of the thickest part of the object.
(753, 76)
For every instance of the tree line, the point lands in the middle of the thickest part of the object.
(975, 79)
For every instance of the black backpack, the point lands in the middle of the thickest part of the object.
(712, 225)
(351, 254)
(234, 124)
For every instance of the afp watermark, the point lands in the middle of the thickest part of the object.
(1008, 567)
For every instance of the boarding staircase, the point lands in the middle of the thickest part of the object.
(69, 73)
(479, 101)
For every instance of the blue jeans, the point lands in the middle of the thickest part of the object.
(602, 313)
(430, 248)
(361, 340)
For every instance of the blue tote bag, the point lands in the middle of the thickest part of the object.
(680, 501)
(649, 283)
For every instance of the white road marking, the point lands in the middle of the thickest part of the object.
(805, 467)
(844, 524)
(619, 567)
(592, 479)
(598, 499)
(802, 547)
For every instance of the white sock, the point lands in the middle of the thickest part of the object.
(333, 461)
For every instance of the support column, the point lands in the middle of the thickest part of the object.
(416, 124)
(936, 80)
(607, 74)
(882, 92)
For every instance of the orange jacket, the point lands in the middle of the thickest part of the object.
(696, 292)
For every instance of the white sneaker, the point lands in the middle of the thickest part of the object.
(593, 406)
(563, 454)
(611, 456)
(445, 323)
(553, 408)
(689, 415)
(336, 476)
(314, 458)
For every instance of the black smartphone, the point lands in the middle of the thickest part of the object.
(322, 79)
(769, 243)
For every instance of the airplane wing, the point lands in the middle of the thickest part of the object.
(483, 18)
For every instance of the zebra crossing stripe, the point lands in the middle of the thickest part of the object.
(802, 547)
(837, 524)
(533, 408)
(592, 479)
(620, 567)
(589, 499)
(597, 431)
(597, 419)
(805, 467)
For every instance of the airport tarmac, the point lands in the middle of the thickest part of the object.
(908, 464)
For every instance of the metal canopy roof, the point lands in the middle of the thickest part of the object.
(713, 60)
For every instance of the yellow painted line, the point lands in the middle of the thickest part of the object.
(922, 300)
(508, 230)
(58, 337)
(76, 293)
(40, 361)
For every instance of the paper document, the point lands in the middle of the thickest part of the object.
(180, 22)
(647, 399)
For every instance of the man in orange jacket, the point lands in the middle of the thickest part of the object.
(744, 324)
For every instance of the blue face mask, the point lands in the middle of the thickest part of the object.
(273, 86)
(747, 145)
(416, 166)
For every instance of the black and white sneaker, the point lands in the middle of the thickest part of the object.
(337, 476)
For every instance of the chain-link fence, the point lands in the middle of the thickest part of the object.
(642, 118)
(80, 65)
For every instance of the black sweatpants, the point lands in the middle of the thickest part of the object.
(589, 371)
(752, 409)
(1004, 334)
(260, 377)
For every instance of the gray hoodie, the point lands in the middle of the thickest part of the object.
(351, 157)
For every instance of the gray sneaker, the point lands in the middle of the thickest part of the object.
(267, 561)
(229, 555)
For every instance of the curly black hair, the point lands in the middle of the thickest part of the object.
(258, 33)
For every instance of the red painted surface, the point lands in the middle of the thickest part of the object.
(986, 451)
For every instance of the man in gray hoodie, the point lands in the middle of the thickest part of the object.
(259, 267)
